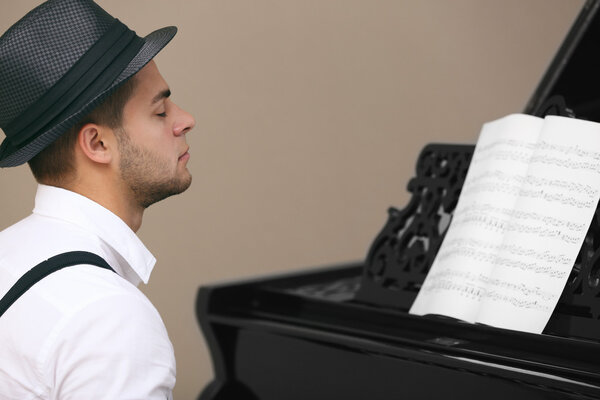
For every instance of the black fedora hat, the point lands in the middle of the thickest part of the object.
(57, 63)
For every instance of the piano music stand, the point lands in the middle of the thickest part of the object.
(403, 252)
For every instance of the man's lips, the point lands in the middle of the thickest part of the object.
(185, 156)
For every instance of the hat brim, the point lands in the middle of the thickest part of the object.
(153, 43)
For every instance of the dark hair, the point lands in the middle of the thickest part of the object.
(56, 162)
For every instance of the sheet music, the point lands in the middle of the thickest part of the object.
(527, 202)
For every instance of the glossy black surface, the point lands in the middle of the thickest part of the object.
(304, 336)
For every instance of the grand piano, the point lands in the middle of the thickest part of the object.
(344, 332)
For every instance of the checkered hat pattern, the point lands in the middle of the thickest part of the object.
(36, 54)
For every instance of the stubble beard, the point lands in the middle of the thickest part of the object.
(144, 173)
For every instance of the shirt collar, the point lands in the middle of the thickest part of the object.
(74, 208)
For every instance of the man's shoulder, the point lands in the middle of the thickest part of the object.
(33, 231)
(77, 289)
(16, 228)
(92, 321)
(37, 238)
(73, 287)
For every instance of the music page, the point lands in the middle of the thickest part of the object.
(529, 196)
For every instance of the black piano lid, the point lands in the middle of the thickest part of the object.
(574, 73)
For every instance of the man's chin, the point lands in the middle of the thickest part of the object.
(187, 183)
(162, 191)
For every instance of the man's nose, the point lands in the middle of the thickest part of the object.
(185, 122)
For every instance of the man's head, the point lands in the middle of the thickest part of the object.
(84, 104)
(58, 63)
(137, 137)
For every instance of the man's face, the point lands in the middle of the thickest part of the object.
(152, 143)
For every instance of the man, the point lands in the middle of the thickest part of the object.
(84, 104)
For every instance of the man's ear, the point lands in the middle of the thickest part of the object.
(97, 142)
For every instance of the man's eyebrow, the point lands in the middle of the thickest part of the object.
(162, 95)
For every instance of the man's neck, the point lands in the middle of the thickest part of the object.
(113, 200)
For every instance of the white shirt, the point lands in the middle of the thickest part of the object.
(84, 332)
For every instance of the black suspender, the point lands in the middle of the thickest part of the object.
(44, 269)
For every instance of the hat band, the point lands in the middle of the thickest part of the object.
(95, 71)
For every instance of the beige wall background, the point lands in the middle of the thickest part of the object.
(310, 115)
